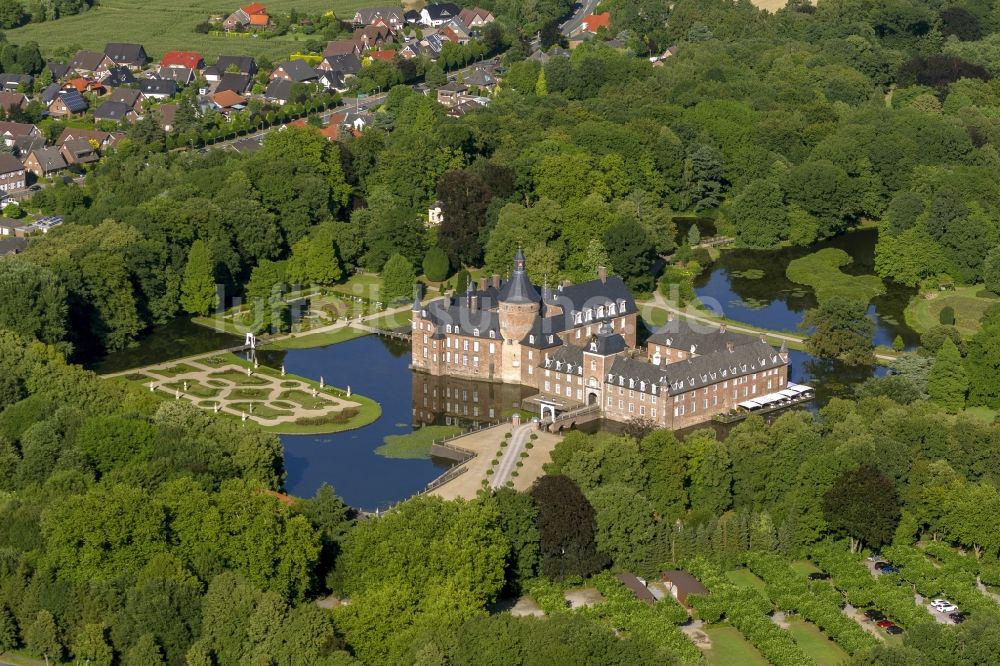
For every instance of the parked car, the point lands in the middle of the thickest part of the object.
(819, 575)
(889, 569)
(944, 606)
(879, 564)
(885, 623)
(873, 614)
(874, 558)
(957, 618)
(894, 630)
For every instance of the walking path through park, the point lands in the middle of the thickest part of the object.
(237, 390)
(660, 302)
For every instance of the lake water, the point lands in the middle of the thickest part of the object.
(775, 302)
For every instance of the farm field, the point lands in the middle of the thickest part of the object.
(816, 644)
(167, 25)
(729, 648)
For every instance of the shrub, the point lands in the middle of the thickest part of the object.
(436, 264)
(947, 316)
(529, 445)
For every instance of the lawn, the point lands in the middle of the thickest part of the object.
(416, 444)
(259, 409)
(309, 340)
(392, 321)
(653, 316)
(167, 25)
(243, 393)
(816, 644)
(804, 567)
(303, 399)
(194, 388)
(239, 378)
(746, 578)
(984, 414)
(969, 304)
(174, 370)
(729, 648)
(821, 271)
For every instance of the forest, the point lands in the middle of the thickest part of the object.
(135, 531)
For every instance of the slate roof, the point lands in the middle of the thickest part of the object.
(298, 70)
(348, 63)
(238, 83)
(441, 11)
(10, 164)
(49, 158)
(411, 16)
(57, 69)
(698, 338)
(606, 342)
(86, 60)
(567, 358)
(245, 65)
(593, 295)
(132, 54)
(696, 372)
(50, 93)
(180, 75)
(333, 79)
(112, 110)
(340, 47)
(454, 312)
(25, 144)
(151, 87)
(279, 90)
(12, 81)
(73, 100)
(369, 14)
(480, 78)
(519, 288)
(81, 150)
(12, 245)
(118, 76)
(128, 96)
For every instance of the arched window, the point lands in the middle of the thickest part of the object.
(449, 328)
(493, 334)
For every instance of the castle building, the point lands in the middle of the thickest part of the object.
(576, 345)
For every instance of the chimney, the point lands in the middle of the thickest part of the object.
(482, 284)
(474, 302)
(496, 281)
(602, 274)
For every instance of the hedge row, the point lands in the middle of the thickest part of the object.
(749, 611)
(656, 623)
(947, 555)
(949, 580)
(819, 602)
(852, 577)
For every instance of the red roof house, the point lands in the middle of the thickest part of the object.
(188, 59)
(387, 56)
(594, 21)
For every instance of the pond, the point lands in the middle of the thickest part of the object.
(750, 287)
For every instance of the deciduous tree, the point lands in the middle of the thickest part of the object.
(842, 330)
(566, 524)
(948, 382)
(863, 505)
(198, 291)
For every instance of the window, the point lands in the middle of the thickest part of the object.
(621, 404)
(642, 410)
(425, 352)
(449, 328)
(531, 339)
(465, 359)
(475, 332)
(610, 401)
(531, 369)
(577, 334)
(493, 334)
(493, 349)
(475, 345)
(593, 364)
(425, 338)
(558, 388)
(653, 413)
(465, 345)
(631, 408)
(546, 386)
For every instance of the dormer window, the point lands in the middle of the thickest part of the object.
(475, 332)
(600, 311)
(550, 339)
(589, 313)
(579, 317)
(449, 328)
(611, 309)
(593, 346)
(531, 339)
(621, 305)
(493, 334)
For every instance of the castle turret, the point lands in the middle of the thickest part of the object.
(519, 302)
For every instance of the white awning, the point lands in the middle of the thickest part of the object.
(750, 404)
(788, 393)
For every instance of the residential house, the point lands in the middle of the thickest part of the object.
(391, 17)
(435, 215)
(115, 112)
(90, 62)
(296, 71)
(13, 228)
(130, 97)
(79, 152)
(182, 60)
(11, 173)
(66, 104)
(475, 17)
(182, 76)
(433, 43)
(412, 17)
(348, 63)
(455, 31)
(592, 22)
(451, 94)
(117, 77)
(50, 92)
(16, 82)
(57, 69)
(44, 162)
(543, 57)
(230, 64)
(102, 140)
(166, 113)
(246, 146)
(23, 145)
(637, 586)
(132, 56)
(12, 100)
(279, 91)
(372, 36)
(438, 14)
(481, 78)
(335, 81)
(11, 246)
(357, 120)
(465, 105)
(342, 47)
(228, 100)
(681, 585)
(237, 83)
(253, 15)
(158, 89)
(384, 56)
(411, 50)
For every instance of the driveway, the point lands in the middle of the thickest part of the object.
(511, 455)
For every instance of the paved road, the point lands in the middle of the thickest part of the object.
(575, 23)
(508, 463)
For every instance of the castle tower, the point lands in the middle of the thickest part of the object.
(519, 304)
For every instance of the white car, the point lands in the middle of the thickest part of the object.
(944, 606)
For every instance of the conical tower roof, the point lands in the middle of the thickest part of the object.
(519, 288)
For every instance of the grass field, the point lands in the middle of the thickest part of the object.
(969, 304)
(804, 567)
(167, 25)
(416, 444)
(821, 271)
(309, 340)
(816, 644)
(729, 648)
(746, 578)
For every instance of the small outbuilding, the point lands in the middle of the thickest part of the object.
(681, 585)
(637, 586)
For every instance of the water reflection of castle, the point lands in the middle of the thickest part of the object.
(443, 400)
